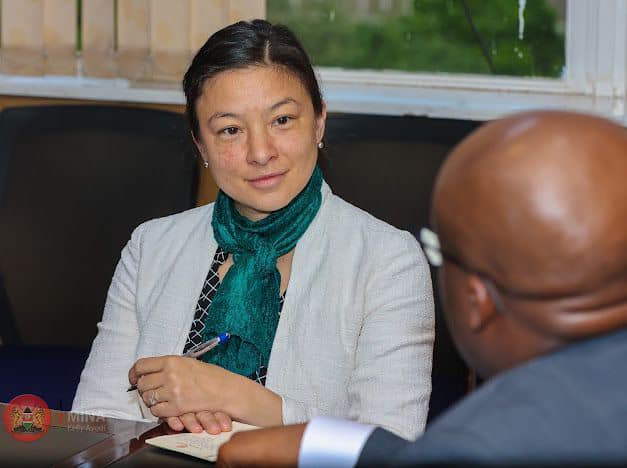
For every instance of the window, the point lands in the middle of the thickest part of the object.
(466, 59)
(497, 37)
(593, 77)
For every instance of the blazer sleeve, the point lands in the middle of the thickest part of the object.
(103, 383)
(441, 447)
(379, 449)
(391, 382)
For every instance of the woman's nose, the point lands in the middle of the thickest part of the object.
(260, 148)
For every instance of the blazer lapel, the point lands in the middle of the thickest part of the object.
(190, 275)
(310, 252)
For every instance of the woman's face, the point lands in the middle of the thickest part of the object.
(259, 134)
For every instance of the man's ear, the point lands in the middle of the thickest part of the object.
(480, 305)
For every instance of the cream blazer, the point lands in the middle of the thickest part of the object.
(354, 339)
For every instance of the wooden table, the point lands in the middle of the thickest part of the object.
(75, 439)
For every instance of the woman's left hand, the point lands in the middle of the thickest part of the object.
(213, 423)
(175, 385)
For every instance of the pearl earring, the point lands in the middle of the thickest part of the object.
(205, 163)
(320, 145)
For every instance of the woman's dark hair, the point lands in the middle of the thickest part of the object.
(244, 44)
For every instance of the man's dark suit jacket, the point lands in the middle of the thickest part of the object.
(569, 406)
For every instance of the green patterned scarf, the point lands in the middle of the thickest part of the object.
(247, 302)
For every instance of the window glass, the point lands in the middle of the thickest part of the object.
(500, 37)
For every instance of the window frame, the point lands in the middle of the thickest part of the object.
(595, 80)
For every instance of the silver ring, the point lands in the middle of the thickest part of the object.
(152, 401)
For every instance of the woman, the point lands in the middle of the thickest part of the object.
(327, 306)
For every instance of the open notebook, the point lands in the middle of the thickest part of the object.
(201, 445)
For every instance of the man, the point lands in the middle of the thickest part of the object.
(531, 216)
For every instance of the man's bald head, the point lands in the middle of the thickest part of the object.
(537, 204)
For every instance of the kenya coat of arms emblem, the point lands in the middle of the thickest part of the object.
(27, 418)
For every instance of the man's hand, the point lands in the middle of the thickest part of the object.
(275, 446)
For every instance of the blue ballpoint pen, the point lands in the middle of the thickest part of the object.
(200, 349)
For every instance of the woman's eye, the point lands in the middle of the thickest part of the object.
(230, 131)
(284, 119)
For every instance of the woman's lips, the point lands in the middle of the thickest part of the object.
(269, 181)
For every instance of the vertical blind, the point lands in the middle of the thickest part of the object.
(151, 40)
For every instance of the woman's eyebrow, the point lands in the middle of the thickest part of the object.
(219, 115)
(282, 102)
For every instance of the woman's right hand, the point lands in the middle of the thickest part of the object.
(213, 423)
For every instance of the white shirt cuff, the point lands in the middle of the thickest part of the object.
(332, 442)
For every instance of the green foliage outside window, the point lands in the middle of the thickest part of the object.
(434, 35)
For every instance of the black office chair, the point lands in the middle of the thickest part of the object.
(387, 166)
(74, 182)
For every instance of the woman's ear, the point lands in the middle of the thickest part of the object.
(201, 149)
(481, 308)
(321, 122)
(199, 146)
